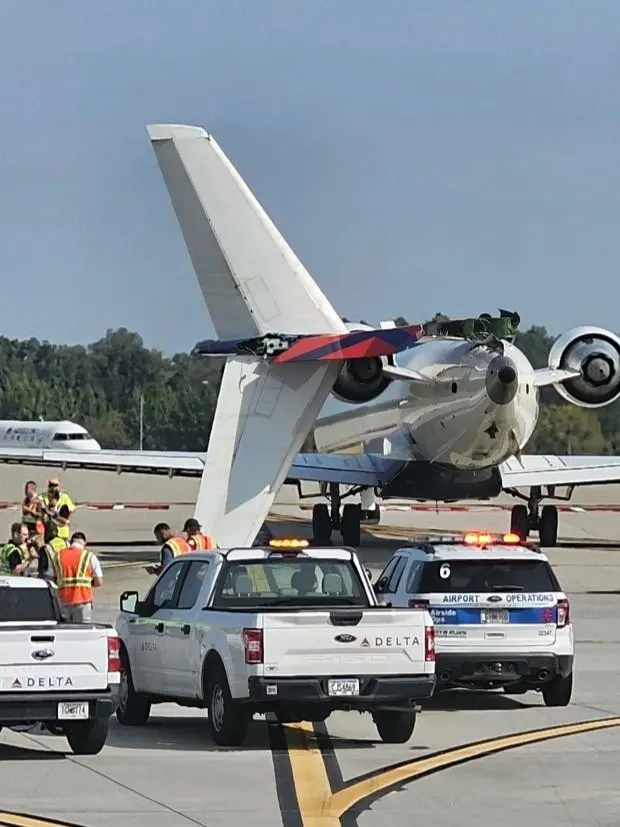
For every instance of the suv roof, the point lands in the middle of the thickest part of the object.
(455, 548)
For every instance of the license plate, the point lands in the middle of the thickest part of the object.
(343, 687)
(495, 616)
(495, 668)
(72, 712)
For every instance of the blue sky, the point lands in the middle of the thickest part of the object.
(456, 156)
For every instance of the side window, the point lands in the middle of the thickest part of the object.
(413, 579)
(163, 590)
(192, 584)
(384, 577)
(394, 580)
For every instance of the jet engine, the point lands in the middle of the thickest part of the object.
(595, 353)
(361, 380)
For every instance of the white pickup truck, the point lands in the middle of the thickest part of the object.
(62, 675)
(296, 632)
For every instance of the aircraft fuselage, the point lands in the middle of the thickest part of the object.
(477, 408)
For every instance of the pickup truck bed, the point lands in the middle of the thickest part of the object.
(62, 675)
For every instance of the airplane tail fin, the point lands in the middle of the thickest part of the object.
(252, 282)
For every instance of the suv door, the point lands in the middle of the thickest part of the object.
(147, 631)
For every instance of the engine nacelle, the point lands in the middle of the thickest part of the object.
(361, 380)
(595, 353)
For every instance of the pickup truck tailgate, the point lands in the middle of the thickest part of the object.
(53, 659)
(382, 642)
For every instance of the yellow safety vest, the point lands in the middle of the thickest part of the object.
(177, 545)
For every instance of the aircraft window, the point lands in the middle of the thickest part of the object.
(71, 437)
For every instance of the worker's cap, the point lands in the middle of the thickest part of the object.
(53, 481)
(191, 525)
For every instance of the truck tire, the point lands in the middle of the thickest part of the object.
(133, 709)
(228, 721)
(394, 727)
(87, 737)
(558, 691)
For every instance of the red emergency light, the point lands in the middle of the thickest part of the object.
(483, 538)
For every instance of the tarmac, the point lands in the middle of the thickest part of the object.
(473, 758)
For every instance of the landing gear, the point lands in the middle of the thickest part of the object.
(524, 519)
(328, 518)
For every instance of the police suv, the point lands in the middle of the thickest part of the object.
(501, 618)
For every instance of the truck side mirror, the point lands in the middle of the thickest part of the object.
(129, 602)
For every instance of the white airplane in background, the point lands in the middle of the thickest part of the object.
(468, 408)
(65, 436)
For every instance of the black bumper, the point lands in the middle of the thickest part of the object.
(501, 667)
(35, 707)
(392, 690)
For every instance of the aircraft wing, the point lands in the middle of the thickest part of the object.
(547, 469)
(166, 463)
(370, 470)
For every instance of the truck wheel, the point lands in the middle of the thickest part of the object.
(87, 737)
(228, 721)
(133, 709)
(395, 727)
(558, 692)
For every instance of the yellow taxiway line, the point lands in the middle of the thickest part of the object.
(17, 820)
(320, 806)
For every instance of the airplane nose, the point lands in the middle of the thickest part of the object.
(502, 380)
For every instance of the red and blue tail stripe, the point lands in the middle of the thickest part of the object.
(358, 344)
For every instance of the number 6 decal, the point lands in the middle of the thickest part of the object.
(444, 571)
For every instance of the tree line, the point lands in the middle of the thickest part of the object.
(114, 384)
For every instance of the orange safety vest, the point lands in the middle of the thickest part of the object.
(74, 575)
(177, 545)
(200, 542)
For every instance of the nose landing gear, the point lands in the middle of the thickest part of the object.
(527, 518)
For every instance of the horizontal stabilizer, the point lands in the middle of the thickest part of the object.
(553, 376)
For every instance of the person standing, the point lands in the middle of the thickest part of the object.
(32, 507)
(197, 540)
(58, 507)
(171, 546)
(78, 572)
(15, 555)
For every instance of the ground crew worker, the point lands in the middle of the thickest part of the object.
(171, 546)
(15, 555)
(78, 572)
(49, 552)
(58, 506)
(196, 539)
(32, 507)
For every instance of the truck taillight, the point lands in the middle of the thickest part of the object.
(253, 645)
(563, 613)
(114, 654)
(429, 643)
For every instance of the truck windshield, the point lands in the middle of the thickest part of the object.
(20, 605)
(284, 582)
(442, 576)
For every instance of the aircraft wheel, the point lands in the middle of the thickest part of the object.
(548, 526)
(350, 525)
(519, 521)
(321, 524)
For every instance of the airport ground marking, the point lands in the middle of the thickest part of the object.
(320, 805)
(19, 820)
